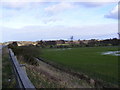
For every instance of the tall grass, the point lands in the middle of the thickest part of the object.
(8, 78)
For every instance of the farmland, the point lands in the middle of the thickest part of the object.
(87, 60)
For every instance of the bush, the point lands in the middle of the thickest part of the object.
(28, 52)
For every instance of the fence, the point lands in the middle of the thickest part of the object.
(21, 77)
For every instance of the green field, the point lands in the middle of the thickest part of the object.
(88, 60)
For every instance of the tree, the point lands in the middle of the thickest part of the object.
(71, 38)
(119, 35)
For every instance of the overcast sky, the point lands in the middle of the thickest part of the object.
(43, 20)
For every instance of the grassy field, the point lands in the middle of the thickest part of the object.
(88, 60)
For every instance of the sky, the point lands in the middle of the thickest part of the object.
(33, 20)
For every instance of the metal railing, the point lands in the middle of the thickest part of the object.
(21, 77)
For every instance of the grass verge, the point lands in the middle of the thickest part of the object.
(8, 78)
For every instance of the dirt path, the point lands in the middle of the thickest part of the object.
(51, 74)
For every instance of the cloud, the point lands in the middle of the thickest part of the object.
(51, 19)
(59, 32)
(36, 15)
(59, 7)
(114, 13)
(69, 5)
(52, 11)
(62, 4)
(92, 4)
(18, 3)
(22, 1)
(59, 0)
(14, 4)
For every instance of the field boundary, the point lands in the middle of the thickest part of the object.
(21, 77)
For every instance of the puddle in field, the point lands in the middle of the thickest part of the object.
(114, 53)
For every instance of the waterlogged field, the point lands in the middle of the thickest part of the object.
(88, 60)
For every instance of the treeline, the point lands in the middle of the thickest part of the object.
(106, 42)
(70, 44)
(79, 43)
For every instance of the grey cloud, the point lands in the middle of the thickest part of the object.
(91, 4)
(114, 13)
(111, 16)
